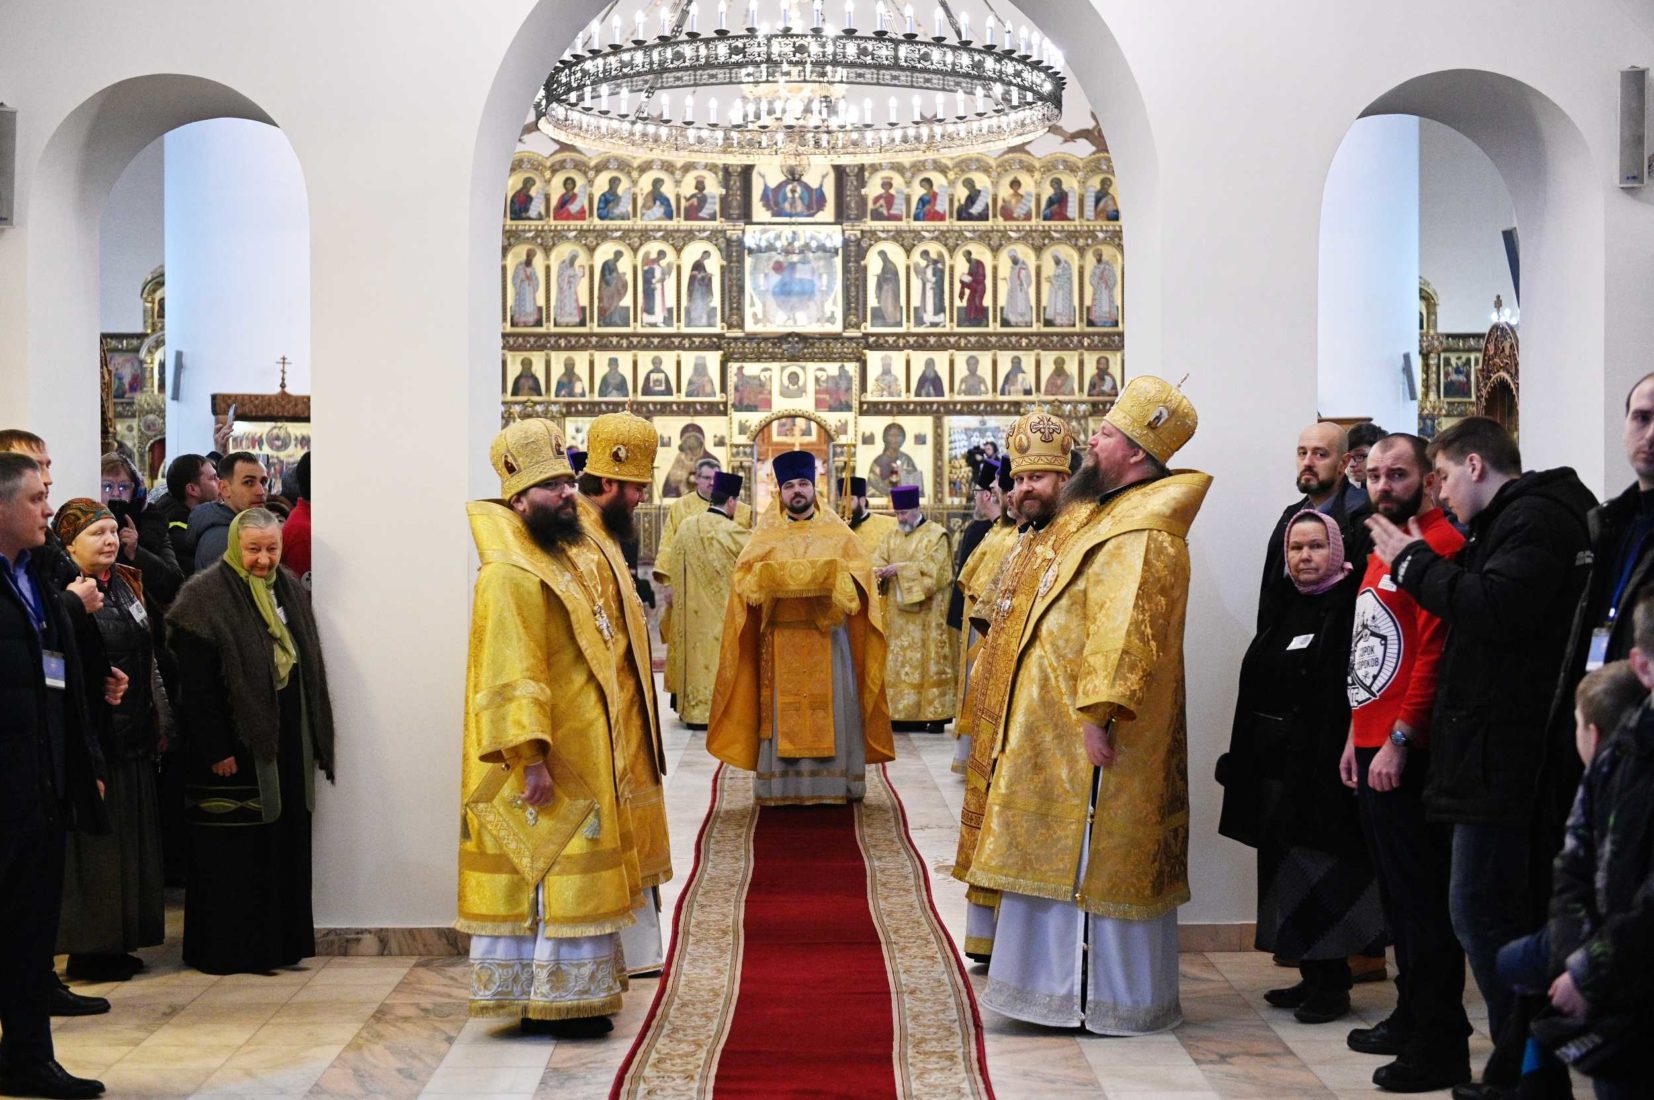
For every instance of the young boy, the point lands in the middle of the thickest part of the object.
(1601, 929)
(1602, 702)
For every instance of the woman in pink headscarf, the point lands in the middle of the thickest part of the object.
(1317, 899)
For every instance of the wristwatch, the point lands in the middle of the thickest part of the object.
(1400, 740)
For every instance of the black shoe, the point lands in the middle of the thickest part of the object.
(1383, 1038)
(583, 1027)
(47, 1079)
(1408, 1075)
(103, 968)
(698, 727)
(63, 1001)
(1323, 1006)
(1290, 997)
(1478, 1091)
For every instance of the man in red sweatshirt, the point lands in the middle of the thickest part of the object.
(1392, 686)
(295, 533)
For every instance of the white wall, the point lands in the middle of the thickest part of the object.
(238, 270)
(132, 241)
(1223, 121)
(1464, 206)
(1369, 273)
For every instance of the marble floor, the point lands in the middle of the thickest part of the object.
(397, 1027)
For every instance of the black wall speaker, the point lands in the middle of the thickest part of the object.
(8, 165)
(1633, 127)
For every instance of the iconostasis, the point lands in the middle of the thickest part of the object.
(913, 310)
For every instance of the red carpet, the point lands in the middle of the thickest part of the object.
(805, 955)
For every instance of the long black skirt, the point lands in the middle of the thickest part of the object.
(114, 899)
(1315, 905)
(247, 907)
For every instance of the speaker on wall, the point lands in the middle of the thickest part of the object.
(8, 165)
(1633, 126)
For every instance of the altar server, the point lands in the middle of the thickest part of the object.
(699, 565)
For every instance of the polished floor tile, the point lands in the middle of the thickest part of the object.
(396, 1026)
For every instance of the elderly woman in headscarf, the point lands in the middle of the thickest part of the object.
(254, 710)
(113, 892)
(1318, 901)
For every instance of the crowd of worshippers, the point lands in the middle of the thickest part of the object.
(163, 713)
(1443, 743)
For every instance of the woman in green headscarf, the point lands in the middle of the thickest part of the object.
(254, 712)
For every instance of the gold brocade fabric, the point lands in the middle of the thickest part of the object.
(978, 572)
(795, 575)
(640, 758)
(673, 628)
(870, 531)
(699, 565)
(1002, 608)
(920, 664)
(1116, 592)
(540, 681)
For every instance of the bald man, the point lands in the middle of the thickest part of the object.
(1322, 456)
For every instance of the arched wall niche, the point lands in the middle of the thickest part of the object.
(63, 205)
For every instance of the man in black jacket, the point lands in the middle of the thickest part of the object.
(1322, 456)
(983, 478)
(192, 480)
(1507, 601)
(50, 780)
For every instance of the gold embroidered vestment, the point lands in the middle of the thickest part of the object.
(920, 663)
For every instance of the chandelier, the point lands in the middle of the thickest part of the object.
(795, 91)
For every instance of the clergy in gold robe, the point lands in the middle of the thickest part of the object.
(800, 698)
(914, 567)
(673, 628)
(1086, 828)
(543, 714)
(869, 526)
(1038, 471)
(978, 572)
(699, 565)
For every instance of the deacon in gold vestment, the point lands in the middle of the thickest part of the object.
(800, 698)
(1086, 827)
(869, 526)
(544, 703)
(674, 629)
(699, 565)
(914, 565)
(1038, 474)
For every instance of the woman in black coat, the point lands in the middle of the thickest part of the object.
(1317, 898)
(254, 709)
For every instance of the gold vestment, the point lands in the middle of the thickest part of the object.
(1116, 592)
(795, 582)
(977, 573)
(541, 684)
(920, 661)
(699, 566)
(640, 757)
(690, 504)
(873, 528)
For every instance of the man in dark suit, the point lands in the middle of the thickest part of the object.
(50, 780)
(1322, 456)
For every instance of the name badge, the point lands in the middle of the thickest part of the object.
(138, 613)
(51, 663)
(1598, 653)
(1300, 642)
(1387, 582)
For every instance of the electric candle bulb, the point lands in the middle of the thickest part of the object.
(694, 16)
(712, 110)
(979, 99)
(965, 26)
(938, 105)
(665, 106)
(936, 21)
(917, 110)
(637, 26)
(908, 11)
(723, 14)
(816, 14)
(892, 111)
(990, 30)
(615, 30)
(752, 13)
(849, 13)
(689, 107)
(959, 102)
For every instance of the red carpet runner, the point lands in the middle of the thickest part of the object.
(807, 960)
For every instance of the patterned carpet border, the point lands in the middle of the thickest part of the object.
(939, 1049)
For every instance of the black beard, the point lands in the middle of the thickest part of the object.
(1402, 510)
(1316, 487)
(1037, 510)
(617, 519)
(1086, 483)
(551, 528)
(801, 506)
